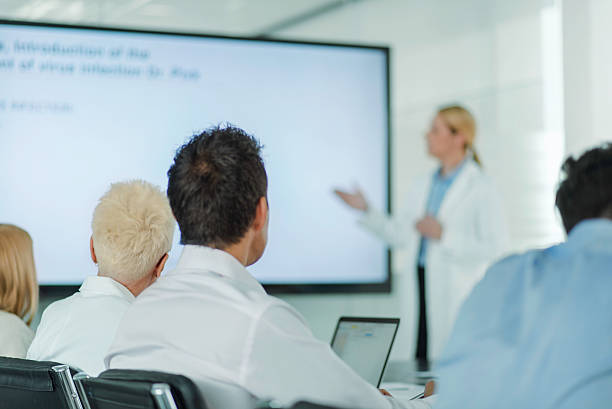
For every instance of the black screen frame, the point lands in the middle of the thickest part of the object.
(395, 321)
(276, 288)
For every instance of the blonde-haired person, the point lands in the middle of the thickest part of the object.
(18, 291)
(454, 227)
(132, 232)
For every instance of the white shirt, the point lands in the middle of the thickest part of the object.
(474, 234)
(15, 335)
(209, 318)
(79, 330)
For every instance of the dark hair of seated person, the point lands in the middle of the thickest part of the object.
(586, 190)
(214, 185)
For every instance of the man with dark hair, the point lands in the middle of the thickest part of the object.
(215, 185)
(209, 319)
(586, 192)
(536, 332)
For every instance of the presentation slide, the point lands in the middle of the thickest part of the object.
(83, 108)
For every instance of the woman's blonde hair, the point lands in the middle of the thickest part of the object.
(133, 228)
(459, 119)
(18, 283)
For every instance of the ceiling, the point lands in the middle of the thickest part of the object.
(232, 17)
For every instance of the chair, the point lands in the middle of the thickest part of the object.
(135, 389)
(26, 384)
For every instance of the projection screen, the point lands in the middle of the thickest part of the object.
(83, 107)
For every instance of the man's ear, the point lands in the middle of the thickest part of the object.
(159, 267)
(261, 214)
(92, 251)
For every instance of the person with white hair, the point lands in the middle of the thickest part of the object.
(132, 231)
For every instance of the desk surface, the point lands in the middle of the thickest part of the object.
(403, 391)
(407, 372)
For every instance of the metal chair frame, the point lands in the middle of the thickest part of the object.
(67, 385)
(161, 393)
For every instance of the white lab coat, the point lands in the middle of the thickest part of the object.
(474, 234)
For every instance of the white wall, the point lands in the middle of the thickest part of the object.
(587, 58)
(488, 56)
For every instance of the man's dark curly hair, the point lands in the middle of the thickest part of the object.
(214, 185)
(586, 191)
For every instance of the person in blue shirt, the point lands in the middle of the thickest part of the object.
(536, 332)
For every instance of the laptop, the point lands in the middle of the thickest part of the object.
(365, 344)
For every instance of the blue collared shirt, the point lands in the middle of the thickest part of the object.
(439, 187)
(536, 332)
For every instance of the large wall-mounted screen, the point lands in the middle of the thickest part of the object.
(83, 107)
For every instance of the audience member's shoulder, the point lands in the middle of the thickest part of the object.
(514, 267)
(281, 316)
(272, 302)
(11, 322)
(259, 302)
(59, 306)
(15, 337)
(508, 264)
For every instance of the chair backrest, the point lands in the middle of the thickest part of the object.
(127, 388)
(26, 384)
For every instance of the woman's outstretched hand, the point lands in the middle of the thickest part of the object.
(355, 199)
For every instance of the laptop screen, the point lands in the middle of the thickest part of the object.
(365, 344)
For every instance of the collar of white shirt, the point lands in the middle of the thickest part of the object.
(96, 286)
(198, 258)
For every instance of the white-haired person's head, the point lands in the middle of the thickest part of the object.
(132, 231)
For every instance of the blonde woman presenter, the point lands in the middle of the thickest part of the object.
(453, 226)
